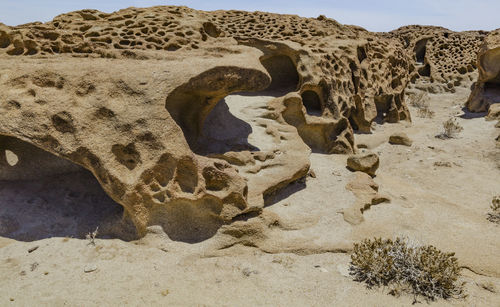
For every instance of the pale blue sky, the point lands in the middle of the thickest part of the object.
(375, 15)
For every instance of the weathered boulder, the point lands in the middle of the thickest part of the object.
(493, 112)
(366, 162)
(400, 138)
(486, 91)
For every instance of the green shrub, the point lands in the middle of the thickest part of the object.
(419, 270)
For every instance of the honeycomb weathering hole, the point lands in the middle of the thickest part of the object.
(283, 71)
(420, 50)
(43, 196)
(312, 103)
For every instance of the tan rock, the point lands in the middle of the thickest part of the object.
(400, 138)
(129, 95)
(493, 112)
(366, 162)
(486, 91)
(436, 66)
(366, 192)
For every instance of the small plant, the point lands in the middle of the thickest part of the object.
(421, 102)
(91, 236)
(451, 129)
(406, 267)
(494, 215)
(425, 112)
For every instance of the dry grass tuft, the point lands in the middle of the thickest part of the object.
(494, 215)
(91, 236)
(404, 267)
(421, 102)
(451, 129)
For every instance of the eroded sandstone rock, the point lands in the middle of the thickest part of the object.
(493, 112)
(366, 162)
(127, 94)
(441, 59)
(486, 91)
(400, 138)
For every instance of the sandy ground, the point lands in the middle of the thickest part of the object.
(304, 259)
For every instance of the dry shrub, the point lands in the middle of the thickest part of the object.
(91, 236)
(451, 128)
(425, 112)
(494, 215)
(420, 101)
(404, 267)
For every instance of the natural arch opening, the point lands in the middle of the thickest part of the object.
(284, 75)
(383, 104)
(44, 196)
(420, 50)
(312, 103)
(190, 103)
(226, 128)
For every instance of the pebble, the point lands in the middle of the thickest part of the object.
(90, 268)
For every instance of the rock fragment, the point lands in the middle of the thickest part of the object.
(400, 138)
(366, 162)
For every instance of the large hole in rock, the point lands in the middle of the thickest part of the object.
(425, 71)
(312, 103)
(420, 50)
(283, 72)
(224, 129)
(43, 196)
(383, 104)
(230, 126)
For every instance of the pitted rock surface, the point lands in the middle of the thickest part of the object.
(128, 96)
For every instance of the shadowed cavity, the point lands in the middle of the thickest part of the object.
(43, 196)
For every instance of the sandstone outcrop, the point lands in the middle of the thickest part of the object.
(127, 95)
(366, 162)
(486, 91)
(442, 59)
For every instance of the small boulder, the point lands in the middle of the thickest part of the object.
(366, 162)
(400, 138)
(493, 112)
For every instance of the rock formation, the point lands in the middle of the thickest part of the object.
(486, 91)
(441, 59)
(129, 96)
(400, 138)
(366, 162)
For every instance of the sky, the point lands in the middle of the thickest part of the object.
(374, 15)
